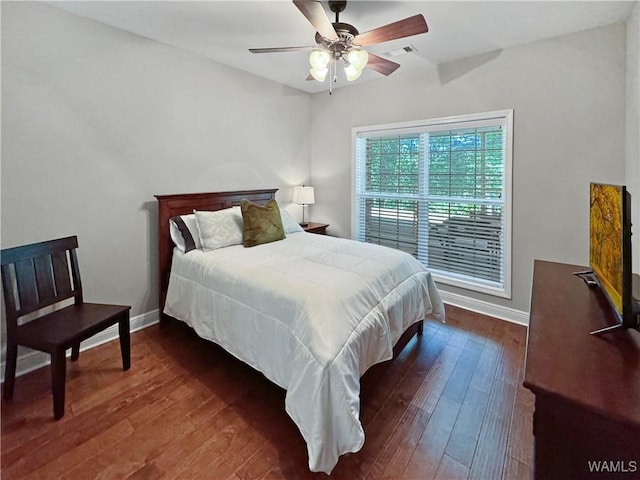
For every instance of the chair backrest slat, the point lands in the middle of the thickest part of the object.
(44, 278)
(27, 286)
(61, 273)
(75, 272)
(39, 275)
(7, 286)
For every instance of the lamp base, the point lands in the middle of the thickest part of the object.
(304, 224)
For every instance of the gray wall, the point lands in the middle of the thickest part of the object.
(568, 96)
(95, 121)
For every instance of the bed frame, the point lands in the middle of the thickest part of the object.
(185, 203)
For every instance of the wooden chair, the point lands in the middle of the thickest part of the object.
(40, 275)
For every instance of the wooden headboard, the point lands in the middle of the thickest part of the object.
(185, 203)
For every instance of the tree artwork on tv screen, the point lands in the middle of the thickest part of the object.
(606, 239)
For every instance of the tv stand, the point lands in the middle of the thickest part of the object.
(586, 387)
(589, 278)
(612, 328)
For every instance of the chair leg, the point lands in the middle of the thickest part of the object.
(75, 352)
(58, 378)
(125, 341)
(420, 327)
(10, 370)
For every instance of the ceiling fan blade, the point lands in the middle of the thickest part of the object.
(281, 49)
(382, 65)
(315, 13)
(400, 29)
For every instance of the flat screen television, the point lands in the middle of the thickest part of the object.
(610, 251)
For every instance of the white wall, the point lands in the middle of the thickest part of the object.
(633, 127)
(568, 94)
(95, 121)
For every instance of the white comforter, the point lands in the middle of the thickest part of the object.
(312, 313)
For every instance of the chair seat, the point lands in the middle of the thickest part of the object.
(80, 322)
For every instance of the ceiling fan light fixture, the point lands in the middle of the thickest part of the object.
(352, 72)
(319, 73)
(319, 59)
(358, 58)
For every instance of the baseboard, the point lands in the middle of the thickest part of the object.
(486, 308)
(32, 359)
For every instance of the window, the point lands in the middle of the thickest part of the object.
(440, 190)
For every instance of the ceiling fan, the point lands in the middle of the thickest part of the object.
(342, 41)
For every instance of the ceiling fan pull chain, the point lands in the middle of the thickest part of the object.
(332, 74)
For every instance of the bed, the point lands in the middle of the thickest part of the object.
(311, 312)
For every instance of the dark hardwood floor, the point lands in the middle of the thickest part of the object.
(451, 406)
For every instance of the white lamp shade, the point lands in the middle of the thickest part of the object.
(319, 73)
(303, 195)
(319, 59)
(352, 72)
(358, 58)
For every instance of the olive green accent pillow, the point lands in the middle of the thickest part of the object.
(260, 224)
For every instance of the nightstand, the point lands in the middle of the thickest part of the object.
(319, 228)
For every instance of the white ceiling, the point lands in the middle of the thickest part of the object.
(224, 30)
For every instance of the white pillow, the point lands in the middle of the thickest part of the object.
(221, 228)
(184, 232)
(289, 224)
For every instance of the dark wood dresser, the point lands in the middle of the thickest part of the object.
(586, 422)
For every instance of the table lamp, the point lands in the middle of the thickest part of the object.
(303, 196)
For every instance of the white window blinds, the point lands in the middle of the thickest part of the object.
(440, 190)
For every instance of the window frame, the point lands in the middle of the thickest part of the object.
(442, 123)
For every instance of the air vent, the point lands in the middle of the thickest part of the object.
(396, 52)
